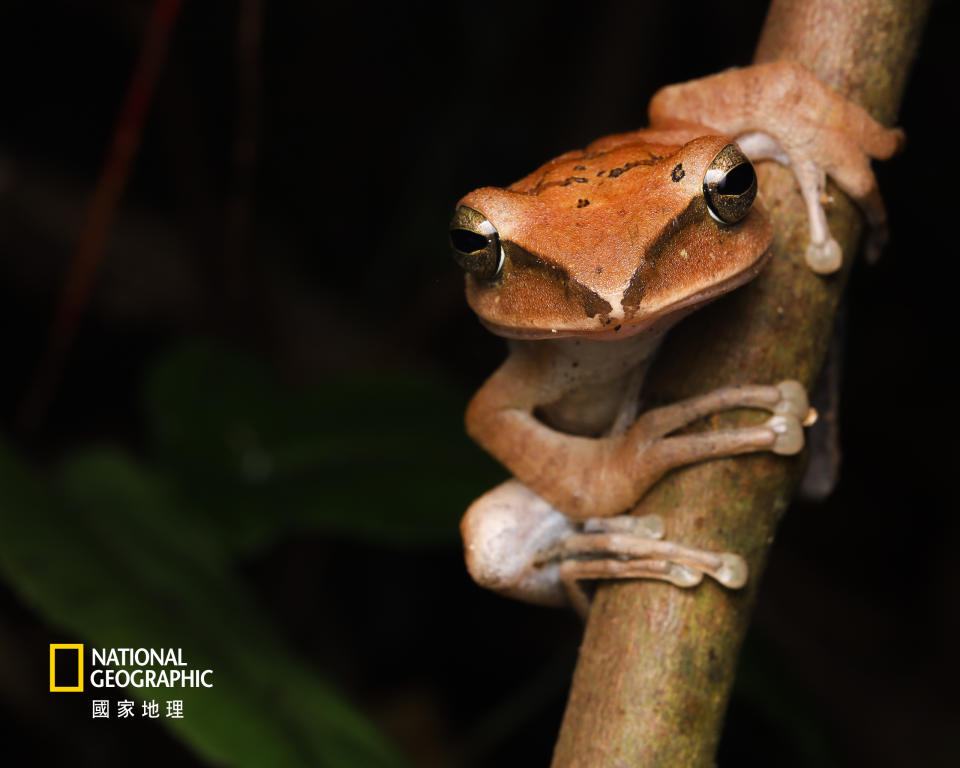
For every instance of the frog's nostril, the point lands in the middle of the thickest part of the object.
(475, 243)
(467, 242)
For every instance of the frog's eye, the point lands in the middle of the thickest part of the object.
(730, 185)
(475, 243)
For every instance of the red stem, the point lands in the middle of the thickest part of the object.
(91, 243)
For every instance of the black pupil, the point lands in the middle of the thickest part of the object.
(466, 241)
(737, 181)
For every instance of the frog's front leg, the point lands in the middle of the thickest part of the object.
(599, 477)
(517, 544)
(780, 111)
(823, 253)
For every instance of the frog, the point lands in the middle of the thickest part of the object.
(583, 266)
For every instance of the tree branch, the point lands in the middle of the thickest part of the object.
(657, 663)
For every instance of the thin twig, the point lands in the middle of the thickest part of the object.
(236, 272)
(92, 241)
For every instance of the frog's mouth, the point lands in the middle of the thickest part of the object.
(621, 322)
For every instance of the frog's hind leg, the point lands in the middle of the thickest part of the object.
(638, 541)
(610, 549)
(573, 573)
(504, 532)
(518, 545)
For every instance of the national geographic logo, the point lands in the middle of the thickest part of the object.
(122, 668)
(66, 667)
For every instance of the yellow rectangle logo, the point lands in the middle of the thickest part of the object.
(67, 680)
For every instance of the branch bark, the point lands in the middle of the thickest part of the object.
(657, 663)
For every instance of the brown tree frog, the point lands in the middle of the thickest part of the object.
(584, 265)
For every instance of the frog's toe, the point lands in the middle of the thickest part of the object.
(824, 258)
(788, 434)
(681, 575)
(732, 572)
(793, 400)
(795, 403)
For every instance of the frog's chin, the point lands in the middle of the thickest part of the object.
(653, 322)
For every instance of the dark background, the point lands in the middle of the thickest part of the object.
(271, 368)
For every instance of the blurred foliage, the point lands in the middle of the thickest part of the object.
(129, 555)
(376, 455)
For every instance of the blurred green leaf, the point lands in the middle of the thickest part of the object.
(109, 551)
(129, 556)
(375, 455)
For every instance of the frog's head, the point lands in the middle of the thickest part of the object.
(609, 242)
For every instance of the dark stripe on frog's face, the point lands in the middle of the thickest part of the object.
(695, 258)
(520, 258)
(634, 293)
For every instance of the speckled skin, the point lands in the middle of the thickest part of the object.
(607, 235)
